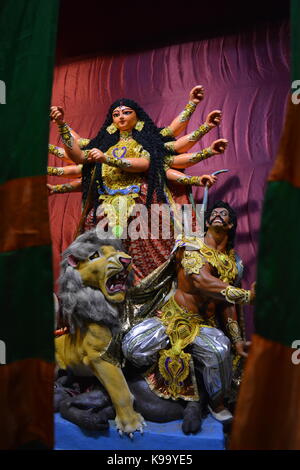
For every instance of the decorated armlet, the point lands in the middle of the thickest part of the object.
(166, 132)
(235, 295)
(168, 162)
(85, 155)
(192, 262)
(233, 330)
(198, 133)
(55, 171)
(170, 146)
(203, 155)
(145, 154)
(117, 162)
(57, 151)
(62, 188)
(65, 132)
(82, 142)
(190, 180)
(187, 112)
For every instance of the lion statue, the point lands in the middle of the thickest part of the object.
(92, 287)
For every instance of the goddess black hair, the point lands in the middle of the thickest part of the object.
(232, 220)
(150, 139)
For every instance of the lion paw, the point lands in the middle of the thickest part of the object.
(130, 424)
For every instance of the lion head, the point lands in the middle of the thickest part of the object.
(106, 269)
(93, 281)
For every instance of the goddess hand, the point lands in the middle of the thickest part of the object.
(219, 146)
(50, 188)
(208, 180)
(213, 119)
(96, 156)
(197, 94)
(57, 114)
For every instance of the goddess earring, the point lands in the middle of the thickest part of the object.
(139, 125)
(112, 128)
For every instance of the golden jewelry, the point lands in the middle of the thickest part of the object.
(235, 295)
(82, 142)
(65, 132)
(85, 155)
(192, 262)
(233, 330)
(145, 154)
(202, 155)
(187, 112)
(166, 132)
(182, 327)
(190, 180)
(126, 136)
(225, 263)
(118, 209)
(139, 126)
(116, 178)
(198, 133)
(55, 171)
(62, 188)
(57, 151)
(168, 161)
(170, 146)
(112, 128)
(117, 162)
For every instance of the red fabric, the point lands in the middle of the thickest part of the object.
(245, 75)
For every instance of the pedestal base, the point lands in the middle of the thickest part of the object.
(157, 436)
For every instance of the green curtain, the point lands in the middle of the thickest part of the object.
(27, 52)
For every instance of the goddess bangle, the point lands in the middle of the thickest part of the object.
(82, 142)
(62, 188)
(168, 162)
(55, 171)
(85, 155)
(202, 155)
(189, 180)
(57, 151)
(167, 132)
(65, 132)
(187, 112)
(198, 133)
(170, 146)
(117, 162)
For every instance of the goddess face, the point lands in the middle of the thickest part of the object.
(124, 118)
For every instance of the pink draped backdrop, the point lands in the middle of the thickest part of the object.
(245, 75)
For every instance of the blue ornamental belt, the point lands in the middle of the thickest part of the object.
(133, 188)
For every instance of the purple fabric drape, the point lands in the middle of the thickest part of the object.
(245, 75)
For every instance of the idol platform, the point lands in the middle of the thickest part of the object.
(157, 436)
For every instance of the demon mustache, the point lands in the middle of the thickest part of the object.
(220, 218)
